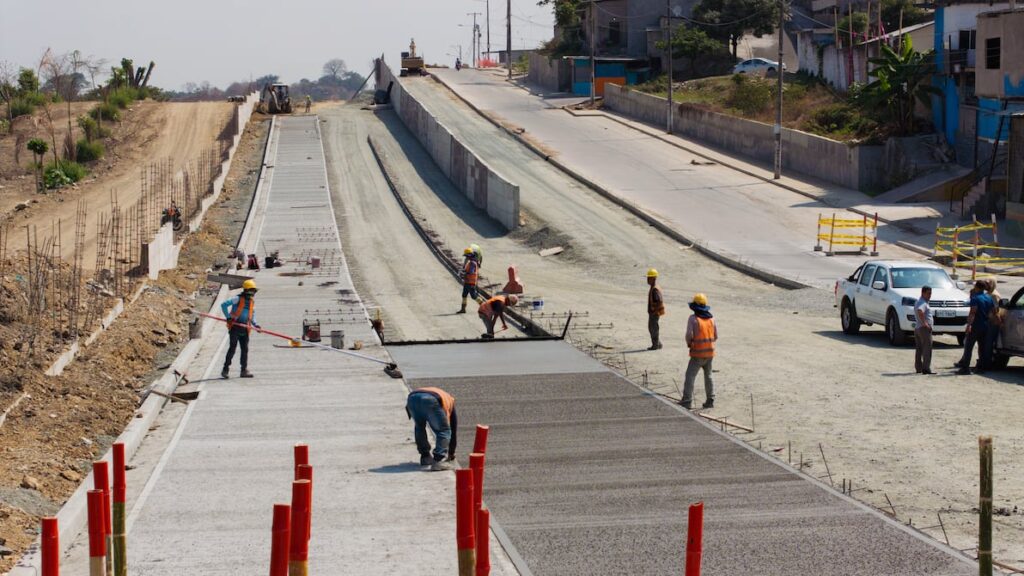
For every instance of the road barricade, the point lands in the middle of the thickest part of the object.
(839, 232)
(975, 247)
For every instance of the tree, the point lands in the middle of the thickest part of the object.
(334, 68)
(912, 14)
(729, 20)
(28, 82)
(691, 43)
(8, 91)
(38, 148)
(900, 79)
(858, 23)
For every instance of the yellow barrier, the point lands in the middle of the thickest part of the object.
(863, 240)
(972, 250)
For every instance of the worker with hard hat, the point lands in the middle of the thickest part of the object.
(493, 310)
(655, 309)
(240, 313)
(470, 275)
(701, 335)
(436, 408)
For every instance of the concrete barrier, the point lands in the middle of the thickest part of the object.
(551, 75)
(487, 189)
(857, 167)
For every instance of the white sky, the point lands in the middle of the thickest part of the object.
(221, 41)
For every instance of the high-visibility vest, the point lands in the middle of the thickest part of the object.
(655, 307)
(237, 312)
(703, 343)
(487, 308)
(446, 399)
(469, 272)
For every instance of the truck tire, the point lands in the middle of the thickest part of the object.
(896, 335)
(848, 316)
(1000, 360)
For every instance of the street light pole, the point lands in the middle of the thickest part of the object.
(508, 38)
(778, 103)
(668, 52)
(476, 39)
(488, 29)
(593, 51)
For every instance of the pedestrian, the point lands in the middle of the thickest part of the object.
(470, 274)
(309, 102)
(995, 319)
(436, 408)
(923, 332)
(701, 335)
(241, 316)
(655, 309)
(493, 310)
(977, 330)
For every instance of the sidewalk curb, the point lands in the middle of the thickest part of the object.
(669, 231)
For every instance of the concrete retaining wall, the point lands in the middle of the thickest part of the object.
(552, 75)
(487, 189)
(856, 167)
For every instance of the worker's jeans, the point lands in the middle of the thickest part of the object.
(488, 323)
(692, 368)
(654, 328)
(238, 336)
(923, 349)
(425, 408)
(970, 339)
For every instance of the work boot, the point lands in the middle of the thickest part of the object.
(441, 465)
(426, 460)
(487, 336)
(224, 372)
(461, 311)
(685, 404)
(246, 374)
(709, 404)
(655, 346)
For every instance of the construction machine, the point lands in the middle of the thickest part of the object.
(411, 63)
(274, 99)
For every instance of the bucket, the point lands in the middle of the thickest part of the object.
(314, 262)
(338, 339)
(537, 303)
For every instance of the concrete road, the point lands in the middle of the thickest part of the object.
(735, 214)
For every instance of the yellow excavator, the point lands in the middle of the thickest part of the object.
(274, 99)
(411, 63)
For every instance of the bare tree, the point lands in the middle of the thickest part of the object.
(334, 68)
(8, 88)
(54, 68)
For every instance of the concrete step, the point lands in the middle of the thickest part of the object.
(931, 186)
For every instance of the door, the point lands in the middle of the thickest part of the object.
(863, 293)
(1013, 324)
(879, 299)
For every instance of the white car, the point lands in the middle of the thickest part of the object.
(885, 291)
(757, 66)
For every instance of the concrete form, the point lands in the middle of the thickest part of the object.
(588, 474)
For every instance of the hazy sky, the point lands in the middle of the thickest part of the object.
(221, 41)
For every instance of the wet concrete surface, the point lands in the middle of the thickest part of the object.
(490, 359)
(588, 474)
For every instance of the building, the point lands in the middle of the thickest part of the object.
(841, 66)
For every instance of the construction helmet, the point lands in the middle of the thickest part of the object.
(700, 299)
(652, 273)
(513, 299)
(249, 285)
(467, 251)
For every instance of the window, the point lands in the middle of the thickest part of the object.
(918, 277)
(968, 38)
(615, 32)
(867, 275)
(881, 276)
(992, 52)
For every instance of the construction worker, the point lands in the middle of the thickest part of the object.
(494, 310)
(435, 407)
(309, 102)
(655, 309)
(470, 274)
(241, 316)
(701, 335)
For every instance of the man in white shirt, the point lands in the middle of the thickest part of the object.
(923, 332)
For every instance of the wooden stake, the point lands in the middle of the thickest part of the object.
(829, 472)
(752, 412)
(985, 507)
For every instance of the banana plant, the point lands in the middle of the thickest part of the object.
(901, 78)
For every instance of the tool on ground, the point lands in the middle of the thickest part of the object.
(515, 285)
(390, 368)
(311, 330)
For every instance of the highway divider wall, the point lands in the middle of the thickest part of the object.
(487, 189)
(857, 167)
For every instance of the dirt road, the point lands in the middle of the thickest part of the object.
(880, 425)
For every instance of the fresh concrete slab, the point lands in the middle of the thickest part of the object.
(490, 359)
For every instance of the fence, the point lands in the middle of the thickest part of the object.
(975, 246)
(868, 234)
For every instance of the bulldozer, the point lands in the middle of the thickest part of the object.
(274, 99)
(411, 63)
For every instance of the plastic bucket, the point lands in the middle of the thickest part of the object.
(338, 339)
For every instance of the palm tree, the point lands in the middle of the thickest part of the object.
(902, 77)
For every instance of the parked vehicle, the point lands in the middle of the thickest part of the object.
(757, 66)
(1011, 333)
(885, 291)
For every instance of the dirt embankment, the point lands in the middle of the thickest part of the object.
(54, 433)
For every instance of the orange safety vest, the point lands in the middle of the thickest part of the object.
(248, 309)
(446, 399)
(655, 307)
(487, 308)
(469, 272)
(703, 343)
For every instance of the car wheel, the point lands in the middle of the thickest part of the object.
(960, 339)
(770, 70)
(848, 316)
(897, 337)
(1000, 360)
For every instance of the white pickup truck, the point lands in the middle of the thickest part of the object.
(885, 291)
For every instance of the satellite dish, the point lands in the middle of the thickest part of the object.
(677, 11)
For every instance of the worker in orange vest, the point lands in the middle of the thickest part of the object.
(493, 310)
(241, 316)
(701, 335)
(436, 408)
(470, 275)
(655, 309)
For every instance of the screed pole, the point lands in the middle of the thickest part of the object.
(298, 553)
(101, 481)
(120, 552)
(465, 537)
(695, 539)
(51, 547)
(483, 542)
(279, 540)
(305, 472)
(301, 457)
(480, 441)
(985, 507)
(97, 535)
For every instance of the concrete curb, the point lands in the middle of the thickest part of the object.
(72, 516)
(671, 232)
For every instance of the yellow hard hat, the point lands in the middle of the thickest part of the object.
(652, 273)
(249, 285)
(467, 251)
(700, 299)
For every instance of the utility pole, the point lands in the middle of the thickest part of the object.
(593, 45)
(476, 39)
(488, 29)
(508, 37)
(668, 52)
(778, 103)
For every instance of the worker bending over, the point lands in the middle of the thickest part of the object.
(241, 316)
(701, 335)
(470, 275)
(435, 407)
(493, 310)
(655, 309)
